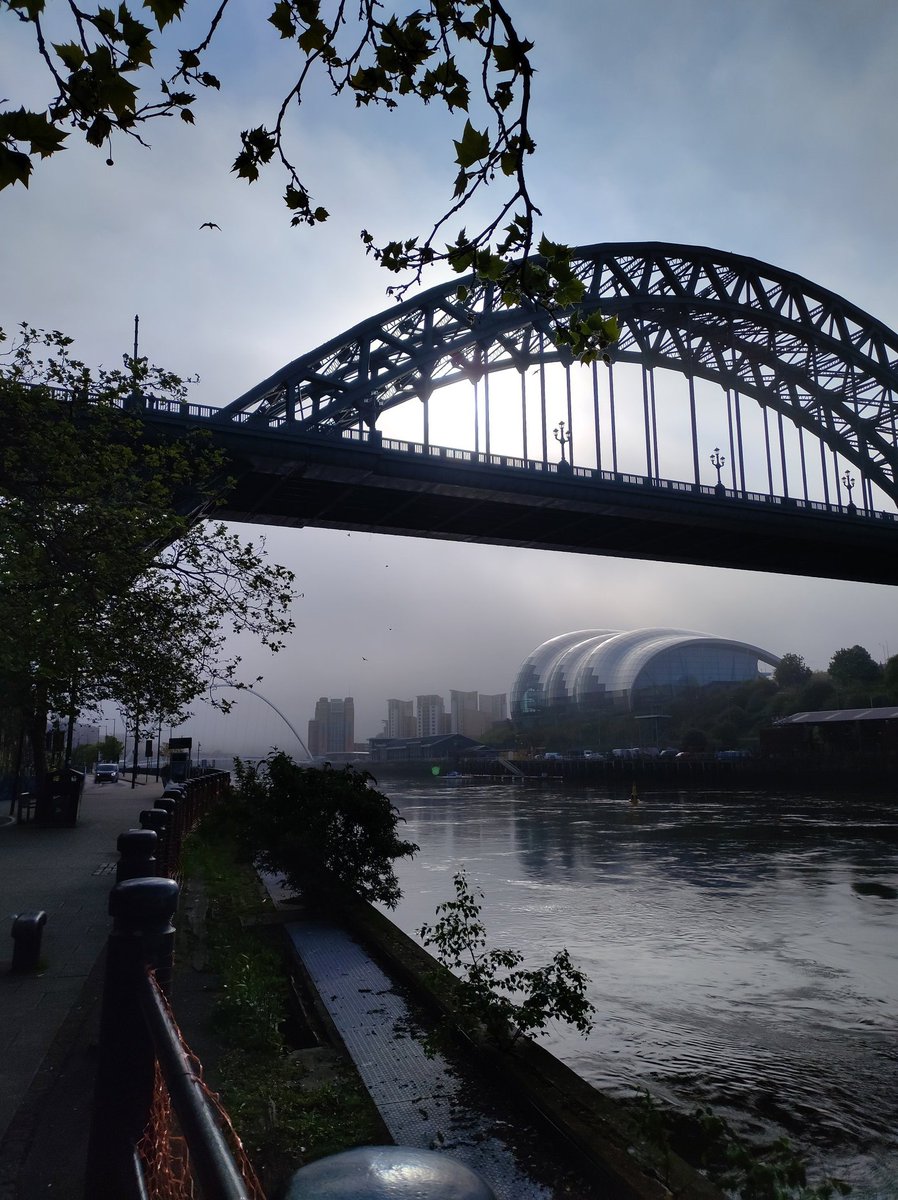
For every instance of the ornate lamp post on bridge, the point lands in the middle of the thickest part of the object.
(718, 461)
(849, 485)
(562, 438)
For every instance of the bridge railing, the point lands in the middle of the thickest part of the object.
(205, 412)
(625, 478)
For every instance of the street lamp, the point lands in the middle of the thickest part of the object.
(849, 484)
(562, 438)
(718, 461)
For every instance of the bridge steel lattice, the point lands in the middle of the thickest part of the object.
(823, 374)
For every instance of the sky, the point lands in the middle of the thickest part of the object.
(764, 129)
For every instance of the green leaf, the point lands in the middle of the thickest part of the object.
(71, 54)
(15, 167)
(506, 58)
(316, 37)
(282, 19)
(99, 130)
(570, 293)
(165, 11)
(509, 163)
(297, 198)
(29, 9)
(105, 23)
(37, 129)
(611, 329)
(474, 146)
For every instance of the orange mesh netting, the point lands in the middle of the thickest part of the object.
(163, 1148)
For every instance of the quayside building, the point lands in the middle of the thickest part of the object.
(628, 671)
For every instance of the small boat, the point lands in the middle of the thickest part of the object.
(457, 779)
(454, 778)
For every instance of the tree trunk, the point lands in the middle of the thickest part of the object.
(37, 735)
(136, 748)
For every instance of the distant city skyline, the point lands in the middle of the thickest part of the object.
(332, 729)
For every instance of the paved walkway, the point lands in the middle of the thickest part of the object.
(67, 873)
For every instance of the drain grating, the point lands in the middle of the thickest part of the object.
(107, 868)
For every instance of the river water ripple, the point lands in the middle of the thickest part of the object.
(741, 946)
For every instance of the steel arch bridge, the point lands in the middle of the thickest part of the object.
(800, 384)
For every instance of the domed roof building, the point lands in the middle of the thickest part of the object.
(605, 668)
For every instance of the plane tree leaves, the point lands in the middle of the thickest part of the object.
(118, 71)
(113, 585)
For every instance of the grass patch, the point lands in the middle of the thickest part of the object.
(290, 1105)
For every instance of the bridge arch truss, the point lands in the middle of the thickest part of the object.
(816, 365)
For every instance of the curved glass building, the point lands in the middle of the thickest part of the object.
(606, 668)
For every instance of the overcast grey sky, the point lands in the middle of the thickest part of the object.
(762, 128)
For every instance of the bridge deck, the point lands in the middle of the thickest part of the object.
(342, 484)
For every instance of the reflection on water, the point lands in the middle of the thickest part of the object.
(742, 946)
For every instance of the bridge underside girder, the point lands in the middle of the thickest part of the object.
(317, 481)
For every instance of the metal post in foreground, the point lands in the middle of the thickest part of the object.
(157, 820)
(170, 807)
(27, 931)
(142, 937)
(137, 848)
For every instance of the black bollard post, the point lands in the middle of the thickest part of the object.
(171, 807)
(180, 793)
(157, 820)
(137, 848)
(27, 931)
(142, 936)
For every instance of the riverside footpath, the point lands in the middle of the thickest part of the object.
(48, 1018)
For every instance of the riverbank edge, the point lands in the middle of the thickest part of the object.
(605, 1139)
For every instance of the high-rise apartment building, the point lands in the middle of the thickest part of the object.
(461, 706)
(332, 729)
(472, 715)
(400, 722)
(431, 717)
(495, 707)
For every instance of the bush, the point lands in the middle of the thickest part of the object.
(497, 993)
(318, 826)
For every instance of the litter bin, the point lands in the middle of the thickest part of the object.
(59, 798)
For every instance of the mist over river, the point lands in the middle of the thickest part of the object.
(742, 946)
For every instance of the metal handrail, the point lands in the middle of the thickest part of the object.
(211, 1157)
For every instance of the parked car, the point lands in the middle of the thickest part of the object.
(106, 773)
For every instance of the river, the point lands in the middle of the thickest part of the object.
(741, 945)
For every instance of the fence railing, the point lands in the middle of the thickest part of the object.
(155, 1127)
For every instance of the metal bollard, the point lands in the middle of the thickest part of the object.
(169, 805)
(27, 931)
(142, 936)
(137, 848)
(157, 820)
(388, 1173)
